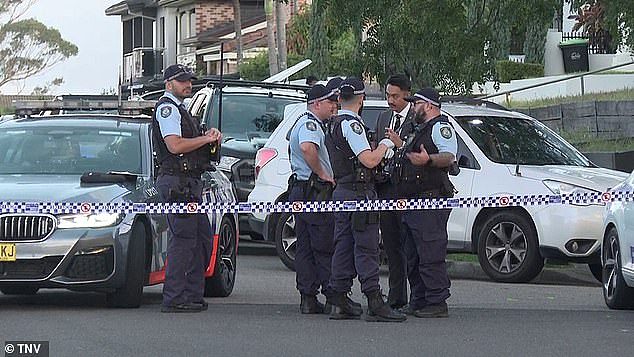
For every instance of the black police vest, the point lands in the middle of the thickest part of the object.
(189, 164)
(345, 164)
(419, 179)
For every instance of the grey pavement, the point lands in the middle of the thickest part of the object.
(261, 318)
(571, 274)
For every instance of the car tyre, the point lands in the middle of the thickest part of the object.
(19, 290)
(508, 249)
(616, 293)
(222, 282)
(131, 293)
(286, 239)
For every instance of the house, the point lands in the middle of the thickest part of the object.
(157, 33)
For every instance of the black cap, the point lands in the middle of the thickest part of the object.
(352, 85)
(319, 92)
(178, 72)
(429, 95)
(333, 85)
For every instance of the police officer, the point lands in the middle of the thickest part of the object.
(356, 233)
(429, 153)
(182, 155)
(398, 120)
(312, 180)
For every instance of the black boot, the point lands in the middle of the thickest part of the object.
(436, 310)
(341, 308)
(310, 305)
(379, 310)
(356, 307)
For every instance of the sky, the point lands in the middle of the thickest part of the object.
(98, 37)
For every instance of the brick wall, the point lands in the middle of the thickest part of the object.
(210, 14)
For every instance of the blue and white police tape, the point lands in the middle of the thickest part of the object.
(323, 206)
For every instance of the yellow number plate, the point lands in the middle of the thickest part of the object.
(7, 252)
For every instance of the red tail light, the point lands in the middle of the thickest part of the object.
(262, 157)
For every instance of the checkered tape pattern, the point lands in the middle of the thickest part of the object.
(316, 206)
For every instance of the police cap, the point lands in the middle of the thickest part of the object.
(178, 72)
(319, 92)
(352, 85)
(429, 95)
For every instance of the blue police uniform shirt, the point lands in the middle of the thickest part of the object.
(168, 116)
(354, 132)
(444, 137)
(308, 130)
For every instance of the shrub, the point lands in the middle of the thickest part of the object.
(509, 70)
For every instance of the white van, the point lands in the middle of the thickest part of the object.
(500, 152)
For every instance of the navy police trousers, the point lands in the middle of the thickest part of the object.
(189, 246)
(356, 251)
(313, 258)
(426, 250)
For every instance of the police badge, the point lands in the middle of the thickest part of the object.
(166, 111)
(445, 131)
(310, 125)
(356, 128)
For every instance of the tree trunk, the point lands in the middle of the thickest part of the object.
(280, 18)
(237, 22)
(270, 36)
(318, 41)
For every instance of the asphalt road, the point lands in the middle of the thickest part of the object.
(261, 318)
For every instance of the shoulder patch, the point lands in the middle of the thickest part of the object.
(310, 125)
(445, 131)
(356, 128)
(166, 111)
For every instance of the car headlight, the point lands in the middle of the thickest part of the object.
(226, 162)
(562, 188)
(96, 220)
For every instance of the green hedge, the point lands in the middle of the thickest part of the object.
(509, 70)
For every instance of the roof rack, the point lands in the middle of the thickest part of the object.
(471, 101)
(266, 85)
(27, 108)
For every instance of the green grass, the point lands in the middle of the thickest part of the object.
(626, 94)
(588, 142)
(5, 111)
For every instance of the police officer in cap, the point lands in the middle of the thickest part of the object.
(356, 233)
(312, 180)
(182, 155)
(429, 153)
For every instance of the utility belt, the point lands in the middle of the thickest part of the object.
(314, 188)
(195, 174)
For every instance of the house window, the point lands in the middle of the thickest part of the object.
(161, 43)
(192, 23)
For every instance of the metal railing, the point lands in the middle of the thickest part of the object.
(574, 76)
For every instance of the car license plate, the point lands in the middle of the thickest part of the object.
(7, 252)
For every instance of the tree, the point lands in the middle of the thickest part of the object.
(27, 46)
(617, 18)
(46, 88)
(237, 26)
(269, 7)
(280, 18)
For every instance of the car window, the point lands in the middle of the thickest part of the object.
(465, 157)
(371, 115)
(507, 140)
(245, 116)
(68, 150)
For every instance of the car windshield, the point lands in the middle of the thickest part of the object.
(520, 141)
(246, 116)
(68, 150)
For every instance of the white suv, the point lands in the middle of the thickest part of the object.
(500, 152)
